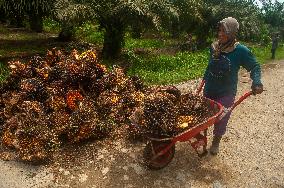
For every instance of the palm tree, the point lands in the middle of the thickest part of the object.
(35, 9)
(114, 16)
(70, 13)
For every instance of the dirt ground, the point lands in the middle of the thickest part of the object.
(251, 153)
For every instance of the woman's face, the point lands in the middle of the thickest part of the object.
(222, 37)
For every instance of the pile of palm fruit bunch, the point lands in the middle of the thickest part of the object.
(63, 97)
(166, 112)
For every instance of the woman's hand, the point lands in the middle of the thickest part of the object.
(257, 89)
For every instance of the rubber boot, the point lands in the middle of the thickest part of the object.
(214, 149)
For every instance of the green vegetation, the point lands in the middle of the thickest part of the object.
(160, 62)
(51, 26)
(109, 21)
(143, 43)
(3, 71)
(91, 33)
(20, 43)
(166, 69)
(146, 37)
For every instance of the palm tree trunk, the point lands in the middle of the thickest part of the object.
(67, 33)
(137, 31)
(113, 40)
(36, 22)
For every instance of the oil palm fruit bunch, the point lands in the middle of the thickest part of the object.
(94, 83)
(167, 112)
(129, 101)
(59, 122)
(161, 113)
(36, 62)
(73, 98)
(9, 130)
(31, 86)
(10, 101)
(56, 88)
(43, 73)
(187, 104)
(107, 103)
(32, 148)
(56, 103)
(27, 132)
(88, 56)
(71, 74)
(116, 80)
(137, 83)
(54, 56)
(83, 122)
(17, 72)
(34, 89)
(56, 72)
(18, 69)
(99, 71)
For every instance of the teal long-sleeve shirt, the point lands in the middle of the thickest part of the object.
(221, 76)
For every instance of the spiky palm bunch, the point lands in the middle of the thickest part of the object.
(83, 122)
(161, 113)
(27, 132)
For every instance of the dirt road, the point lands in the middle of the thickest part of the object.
(251, 153)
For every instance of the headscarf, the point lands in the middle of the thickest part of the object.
(231, 27)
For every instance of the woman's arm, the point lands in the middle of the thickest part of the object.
(249, 62)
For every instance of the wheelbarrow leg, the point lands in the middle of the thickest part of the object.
(158, 154)
(200, 143)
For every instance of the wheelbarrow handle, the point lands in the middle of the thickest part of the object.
(236, 103)
(201, 85)
(241, 99)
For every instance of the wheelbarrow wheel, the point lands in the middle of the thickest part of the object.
(151, 150)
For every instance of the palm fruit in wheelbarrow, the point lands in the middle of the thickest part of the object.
(161, 112)
(193, 109)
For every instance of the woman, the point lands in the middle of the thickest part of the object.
(221, 76)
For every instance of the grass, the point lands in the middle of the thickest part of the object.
(91, 33)
(3, 72)
(19, 42)
(131, 43)
(168, 69)
(51, 26)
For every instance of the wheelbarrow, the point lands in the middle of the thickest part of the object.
(159, 152)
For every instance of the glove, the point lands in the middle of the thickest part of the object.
(257, 89)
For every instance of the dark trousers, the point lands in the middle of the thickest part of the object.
(221, 126)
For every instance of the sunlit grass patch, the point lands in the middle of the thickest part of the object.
(166, 69)
(3, 72)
